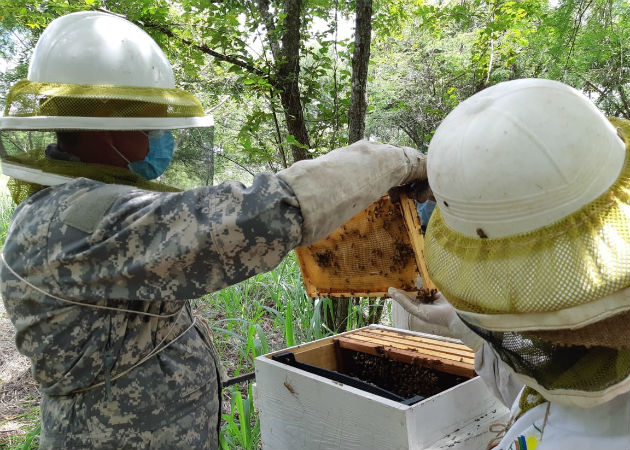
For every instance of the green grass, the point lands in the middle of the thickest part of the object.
(242, 427)
(267, 312)
(7, 207)
(272, 303)
(29, 440)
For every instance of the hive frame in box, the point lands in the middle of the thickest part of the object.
(383, 229)
(301, 410)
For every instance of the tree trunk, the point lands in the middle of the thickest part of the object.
(287, 59)
(288, 71)
(210, 159)
(360, 61)
(337, 320)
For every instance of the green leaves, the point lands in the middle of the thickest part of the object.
(242, 426)
(256, 342)
(426, 57)
(290, 139)
(289, 334)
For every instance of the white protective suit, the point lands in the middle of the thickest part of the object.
(551, 426)
(548, 426)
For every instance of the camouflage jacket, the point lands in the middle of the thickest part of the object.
(126, 248)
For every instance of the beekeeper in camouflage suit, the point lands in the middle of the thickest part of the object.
(97, 268)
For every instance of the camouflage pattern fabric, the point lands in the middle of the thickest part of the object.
(143, 251)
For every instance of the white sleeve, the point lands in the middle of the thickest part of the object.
(497, 376)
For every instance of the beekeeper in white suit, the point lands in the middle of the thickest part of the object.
(530, 244)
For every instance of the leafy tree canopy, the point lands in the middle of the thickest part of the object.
(277, 75)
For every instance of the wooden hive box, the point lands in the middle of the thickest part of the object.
(378, 248)
(303, 410)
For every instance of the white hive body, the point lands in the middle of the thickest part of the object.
(302, 410)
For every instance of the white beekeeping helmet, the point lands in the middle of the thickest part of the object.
(530, 240)
(525, 158)
(97, 71)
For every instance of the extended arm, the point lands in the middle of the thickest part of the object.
(126, 243)
(488, 365)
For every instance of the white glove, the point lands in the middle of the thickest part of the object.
(439, 313)
(488, 365)
(336, 186)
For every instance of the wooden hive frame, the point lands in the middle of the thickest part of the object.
(444, 356)
(329, 270)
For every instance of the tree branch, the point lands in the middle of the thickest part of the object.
(3, 151)
(203, 48)
(413, 135)
(16, 143)
(237, 163)
(624, 101)
(624, 108)
(577, 23)
(277, 128)
(270, 26)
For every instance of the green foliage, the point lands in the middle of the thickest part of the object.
(442, 54)
(27, 441)
(217, 49)
(31, 441)
(6, 212)
(289, 334)
(242, 426)
(16, 142)
(265, 313)
(425, 59)
(274, 302)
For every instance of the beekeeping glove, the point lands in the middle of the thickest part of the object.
(494, 372)
(336, 186)
(440, 313)
(418, 191)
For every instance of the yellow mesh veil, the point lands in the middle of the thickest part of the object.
(20, 190)
(579, 259)
(30, 98)
(575, 375)
(42, 106)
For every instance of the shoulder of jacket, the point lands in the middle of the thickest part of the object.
(86, 209)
